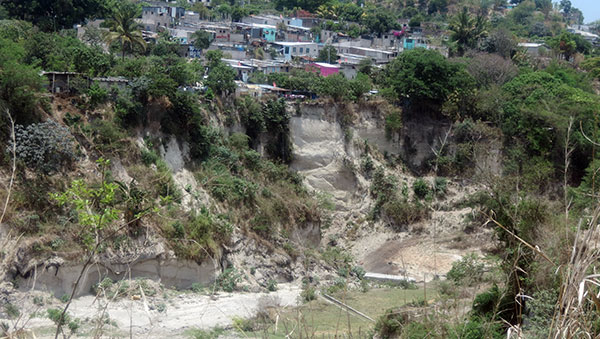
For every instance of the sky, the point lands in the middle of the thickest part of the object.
(590, 9)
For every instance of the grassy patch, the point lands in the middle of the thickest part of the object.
(319, 317)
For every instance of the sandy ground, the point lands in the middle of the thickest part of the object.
(184, 311)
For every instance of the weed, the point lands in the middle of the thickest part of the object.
(229, 279)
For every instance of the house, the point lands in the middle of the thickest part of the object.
(267, 66)
(378, 55)
(297, 49)
(155, 18)
(242, 71)
(385, 40)
(324, 68)
(534, 49)
(232, 51)
(411, 42)
(591, 37)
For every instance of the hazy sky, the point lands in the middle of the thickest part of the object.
(590, 9)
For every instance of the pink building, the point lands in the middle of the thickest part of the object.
(325, 69)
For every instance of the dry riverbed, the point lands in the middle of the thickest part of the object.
(167, 314)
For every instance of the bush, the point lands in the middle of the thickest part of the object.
(46, 147)
(308, 293)
(229, 279)
(468, 270)
(359, 272)
(421, 188)
(272, 285)
(403, 213)
(390, 324)
(440, 186)
(96, 95)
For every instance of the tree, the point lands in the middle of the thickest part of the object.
(564, 44)
(467, 30)
(359, 86)
(424, 78)
(436, 6)
(365, 66)
(328, 54)
(221, 77)
(565, 6)
(57, 14)
(124, 29)
(201, 39)
(335, 86)
(379, 21)
(501, 41)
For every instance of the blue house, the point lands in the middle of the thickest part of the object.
(269, 33)
(409, 43)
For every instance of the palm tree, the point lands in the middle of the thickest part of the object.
(466, 29)
(123, 28)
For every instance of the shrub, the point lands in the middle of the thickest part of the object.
(469, 269)
(383, 186)
(390, 324)
(402, 213)
(149, 157)
(359, 272)
(393, 123)
(97, 95)
(421, 188)
(229, 279)
(308, 293)
(440, 186)
(272, 285)
(45, 147)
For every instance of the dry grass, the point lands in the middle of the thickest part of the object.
(579, 300)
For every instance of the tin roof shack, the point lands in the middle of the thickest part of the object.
(64, 82)
(291, 50)
(323, 68)
(535, 49)
(156, 17)
(110, 82)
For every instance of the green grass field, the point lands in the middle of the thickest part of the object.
(321, 319)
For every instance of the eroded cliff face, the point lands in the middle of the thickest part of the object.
(330, 143)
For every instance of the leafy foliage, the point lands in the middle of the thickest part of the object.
(45, 147)
(424, 77)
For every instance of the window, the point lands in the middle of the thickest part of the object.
(307, 50)
(301, 50)
(287, 50)
(293, 49)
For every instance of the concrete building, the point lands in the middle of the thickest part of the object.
(377, 55)
(155, 18)
(290, 50)
(323, 68)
